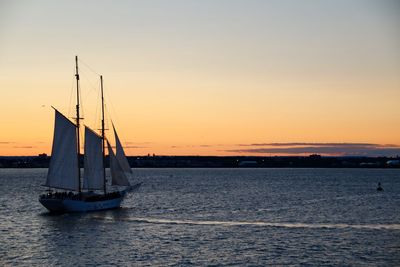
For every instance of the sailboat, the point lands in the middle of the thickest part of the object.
(87, 193)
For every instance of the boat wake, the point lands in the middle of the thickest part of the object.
(255, 223)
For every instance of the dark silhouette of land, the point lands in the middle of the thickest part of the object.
(312, 161)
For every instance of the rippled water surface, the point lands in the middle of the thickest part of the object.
(186, 217)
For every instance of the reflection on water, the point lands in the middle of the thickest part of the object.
(212, 216)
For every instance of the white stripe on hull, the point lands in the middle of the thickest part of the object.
(74, 205)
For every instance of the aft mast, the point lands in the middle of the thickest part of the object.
(103, 135)
(77, 120)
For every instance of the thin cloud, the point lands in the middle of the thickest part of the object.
(310, 144)
(194, 146)
(25, 147)
(128, 147)
(138, 143)
(135, 146)
(328, 149)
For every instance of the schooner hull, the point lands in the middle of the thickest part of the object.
(74, 205)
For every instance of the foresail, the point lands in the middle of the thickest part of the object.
(93, 178)
(120, 154)
(63, 169)
(118, 175)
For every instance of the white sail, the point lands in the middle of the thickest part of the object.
(120, 154)
(118, 174)
(63, 169)
(93, 178)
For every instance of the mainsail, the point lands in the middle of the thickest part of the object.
(93, 161)
(63, 169)
(119, 176)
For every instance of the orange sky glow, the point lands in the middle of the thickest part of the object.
(206, 78)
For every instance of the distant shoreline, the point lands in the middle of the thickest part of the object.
(312, 161)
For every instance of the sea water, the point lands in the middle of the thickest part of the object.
(183, 217)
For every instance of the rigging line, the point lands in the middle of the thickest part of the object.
(113, 123)
(113, 109)
(82, 116)
(81, 102)
(91, 86)
(108, 118)
(92, 89)
(116, 115)
(71, 94)
(87, 66)
(96, 114)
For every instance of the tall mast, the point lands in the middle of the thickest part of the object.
(102, 134)
(77, 119)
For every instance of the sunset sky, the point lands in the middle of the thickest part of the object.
(206, 77)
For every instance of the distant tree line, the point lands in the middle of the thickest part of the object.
(312, 161)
